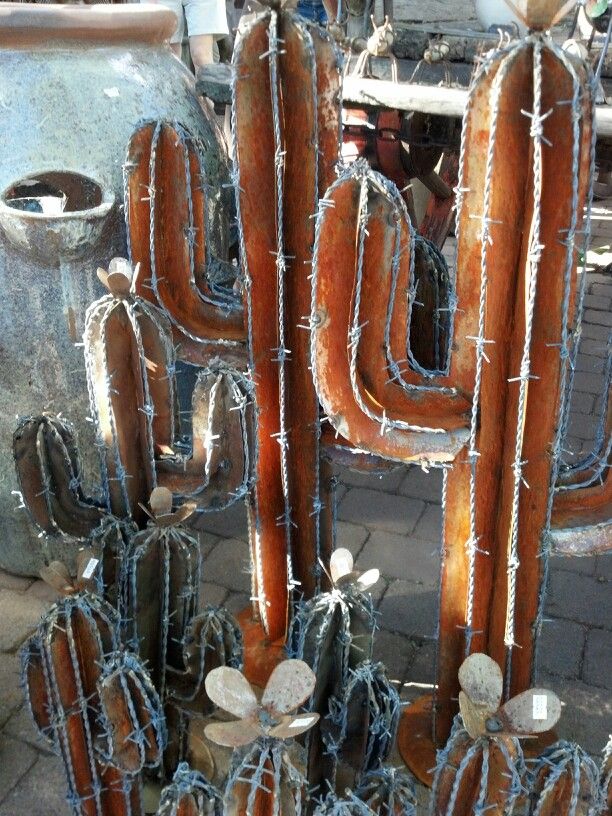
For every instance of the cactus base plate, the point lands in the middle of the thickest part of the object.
(414, 739)
(260, 655)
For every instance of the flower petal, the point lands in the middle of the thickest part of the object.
(340, 563)
(532, 712)
(230, 690)
(293, 726)
(368, 579)
(290, 684)
(232, 734)
(481, 679)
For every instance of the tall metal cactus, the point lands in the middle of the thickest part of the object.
(190, 794)
(516, 267)
(605, 776)
(286, 132)
(564, 782)
(96, 707)
(477, 775)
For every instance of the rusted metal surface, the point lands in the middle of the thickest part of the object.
(48, 259)
(175, 220)
(293, 108)
(564, 780)
(190, 794)
(97, 710)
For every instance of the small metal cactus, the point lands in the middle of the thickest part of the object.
(163, 579)
(388, 792)
(104, 719)
(263, 780)
(333, 633)
(363, 720)
(49, 475)
(130, 373)
(564, 782)
(212, 639)
(476, 775)
(481, 766)
(190, 794)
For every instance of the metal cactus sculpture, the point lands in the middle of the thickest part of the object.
(516, 267)
(333, 633)
(163, 586)
(286, 131)
(263, 781)
(190, 794)
(481, 765)
(564, 782)
(363, 720)
(212, 639)
(49, 476)
(388, 792)
(169, 216)
(96, 706)
(109, 542)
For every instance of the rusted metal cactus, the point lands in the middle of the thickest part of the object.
(564, 782)
(173, 220)
(263, 779)
(109, 542)
(333, 805)
(286, 132)
(163, 587)
(49, 475)
(212, 639)
(95, 706)
(388, 792)
(190, 794)
(477, 775)
(516, 267)
(130, 373)
(363, 720)
(333, 633)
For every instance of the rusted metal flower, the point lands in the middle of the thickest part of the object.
(343, 573)
(531, 712)
(290, 685)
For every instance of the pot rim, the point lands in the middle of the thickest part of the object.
(46, 25)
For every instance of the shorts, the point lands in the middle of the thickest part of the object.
(202, 16)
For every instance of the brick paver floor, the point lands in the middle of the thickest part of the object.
(392, 523)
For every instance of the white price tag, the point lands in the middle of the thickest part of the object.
(302, 722)
(540, 707)
(90, 568)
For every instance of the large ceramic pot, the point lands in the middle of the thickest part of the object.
(75, 82)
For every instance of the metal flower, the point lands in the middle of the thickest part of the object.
(290, 685)
(531, 712)
(342, 572)
(57, 575)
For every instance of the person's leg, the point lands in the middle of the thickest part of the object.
(205, 20)
(201, 47)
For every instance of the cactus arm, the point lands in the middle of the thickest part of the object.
(190, 794)
(256, 200)
(217, 472)
(332, 321)
(167, 222)
(48, 472)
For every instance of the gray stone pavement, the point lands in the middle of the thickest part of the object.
(392, 523)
